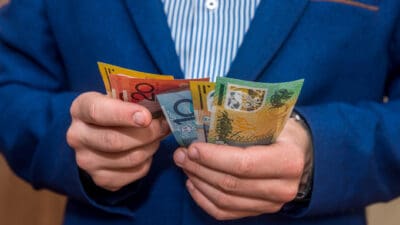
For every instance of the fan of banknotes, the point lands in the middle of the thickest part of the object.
(229, 111)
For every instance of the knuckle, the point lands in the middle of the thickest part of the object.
(193, 168)
(83, 161)
(105, 181)
(135, 158)
(112, 141)
(288, 193)
(142, 171)
(101, 180)
(72, 140)
(223, 201)
(277, 208)
(273, 208)
(78, 103)
(220, 215)
(229, 183)
(74, 108)
(295, 167)
(154, 147)
(245, 165)
(150, 149)
(112, 189)
(154, 131)
(93, 111)
(145, 169)
(291, 193)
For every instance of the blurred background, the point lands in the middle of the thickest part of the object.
(21, 205)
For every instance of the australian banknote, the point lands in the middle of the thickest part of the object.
(144, 91)
(107, 69)
(178, 110)
(202, 95)
(250, 113)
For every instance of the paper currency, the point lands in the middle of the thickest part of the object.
(202, 95)
(230, 111)
(178, 110)
(107, 69)
(251, 113)
(144, 91)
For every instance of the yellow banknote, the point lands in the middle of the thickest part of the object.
(202, 96)
(251, 113)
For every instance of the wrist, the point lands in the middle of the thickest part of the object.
(305, 185)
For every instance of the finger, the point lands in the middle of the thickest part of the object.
(212, 209)
(114, 180)
(90, 160)
(116, 139)
(227, 201)
(271, 189)
(102, 110)
(279, 160)
(275, 190)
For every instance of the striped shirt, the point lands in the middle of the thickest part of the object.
(208, 33)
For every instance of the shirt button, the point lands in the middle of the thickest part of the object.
(211, 4)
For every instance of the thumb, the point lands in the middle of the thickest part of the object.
(96, 108)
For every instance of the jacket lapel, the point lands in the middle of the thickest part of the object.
(151, 22)
(272, 24)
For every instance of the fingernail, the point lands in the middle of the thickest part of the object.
(179, 157)
(139, 118)
(193, 153)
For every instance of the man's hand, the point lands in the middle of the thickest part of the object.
(232, 182)
(114, 141)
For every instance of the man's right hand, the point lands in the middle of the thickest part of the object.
(114, 141)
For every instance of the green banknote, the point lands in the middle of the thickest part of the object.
(178, 110)
(251, 113)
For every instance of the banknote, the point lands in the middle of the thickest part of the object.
(144, 91)
(251, 113)
(178, 110)
(107, 69)
(202, 95)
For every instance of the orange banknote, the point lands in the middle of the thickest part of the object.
(107, 69)
(144, 91)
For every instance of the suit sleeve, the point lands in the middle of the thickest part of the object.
(356, 149)
(35, 101)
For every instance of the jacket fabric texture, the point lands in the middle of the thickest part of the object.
(348, 52)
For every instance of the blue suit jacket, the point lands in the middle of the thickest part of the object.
(349, 55)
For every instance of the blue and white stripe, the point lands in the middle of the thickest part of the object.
(207, 40)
